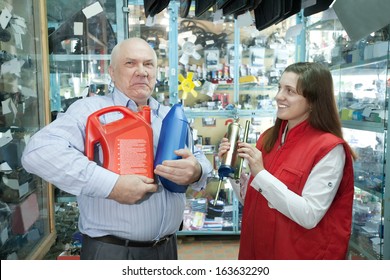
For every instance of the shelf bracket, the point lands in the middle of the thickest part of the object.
(173, 53)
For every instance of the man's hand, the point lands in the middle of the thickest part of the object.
(184, 171)
(129, 189)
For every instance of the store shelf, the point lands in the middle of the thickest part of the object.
(362, 93)
(364, 125)
(78, 57)
(370, 65)
(196, 113)
(208, 232)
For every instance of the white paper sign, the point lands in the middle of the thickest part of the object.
(245, 19)
(28, 92)
(4, 167)
(5, 17)
(12, 66)
(5, 137)
(92, 10)
(78, 28)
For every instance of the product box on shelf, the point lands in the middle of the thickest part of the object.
(25, 214)
(67, 256)
(378, 49)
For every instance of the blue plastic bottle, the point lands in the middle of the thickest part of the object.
(174, 134)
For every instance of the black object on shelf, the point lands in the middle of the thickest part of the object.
(290, 8)
(202, 6)
(153, 7)
(184, 8)
(268, 13)
(217, 210)
(316, 8)
(235, 6)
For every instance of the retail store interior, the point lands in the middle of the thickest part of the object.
(222, 62)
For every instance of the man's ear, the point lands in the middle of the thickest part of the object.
(111, 72)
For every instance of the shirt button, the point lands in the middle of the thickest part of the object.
(330, 184)
(260, 190)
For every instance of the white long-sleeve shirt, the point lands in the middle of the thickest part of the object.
(317, 194)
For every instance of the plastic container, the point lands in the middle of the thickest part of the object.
(174, 134)
(127, 143)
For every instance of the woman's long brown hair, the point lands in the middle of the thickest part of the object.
(315, 83)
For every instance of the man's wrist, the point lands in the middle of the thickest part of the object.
(200, 173)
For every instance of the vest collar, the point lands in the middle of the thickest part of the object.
(292, 134)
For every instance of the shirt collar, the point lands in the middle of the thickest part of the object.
(120, 98)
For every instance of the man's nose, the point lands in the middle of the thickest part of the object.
(141, 71)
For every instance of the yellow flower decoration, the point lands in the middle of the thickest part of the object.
(187, 85)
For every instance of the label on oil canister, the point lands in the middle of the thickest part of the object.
(132, 156)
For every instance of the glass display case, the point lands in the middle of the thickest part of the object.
(361, 83)
(81, 37)
(361, 90)
(26, 224)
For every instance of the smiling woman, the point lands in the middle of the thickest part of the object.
(298, 203)
(292, 106)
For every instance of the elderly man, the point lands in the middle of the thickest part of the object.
(121, 216)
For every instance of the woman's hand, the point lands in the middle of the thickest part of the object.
(252, 155)
(224, 147)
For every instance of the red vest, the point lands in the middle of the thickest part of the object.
(268, 234)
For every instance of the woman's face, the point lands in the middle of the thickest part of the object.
(291, 106)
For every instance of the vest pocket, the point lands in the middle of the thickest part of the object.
(291, 178)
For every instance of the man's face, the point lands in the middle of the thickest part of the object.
(134, 70)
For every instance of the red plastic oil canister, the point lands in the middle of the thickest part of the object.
(127, 143)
